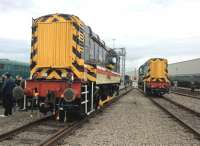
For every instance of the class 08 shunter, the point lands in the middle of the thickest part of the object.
(71, 67)
(153, 77)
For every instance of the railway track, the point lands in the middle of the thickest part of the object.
(187, 117)
(46, 131)
(186, 92)
(33, 133)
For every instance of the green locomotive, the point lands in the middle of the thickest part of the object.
(14, 68)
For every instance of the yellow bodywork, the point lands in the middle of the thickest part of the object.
(54, 44)
(157, 70)
(57, 45)
(57, 48)
(101, 103)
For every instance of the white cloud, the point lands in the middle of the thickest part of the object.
(147, 28)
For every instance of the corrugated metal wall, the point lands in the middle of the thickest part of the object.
(185, 67)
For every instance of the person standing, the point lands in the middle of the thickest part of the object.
(18, 80)
(8, 99)
(18, 94)
(17, 83)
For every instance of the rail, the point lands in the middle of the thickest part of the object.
(184, 115)
(185, 92)
(66, 131)
(61, 129)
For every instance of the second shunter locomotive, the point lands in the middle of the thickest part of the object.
(153, 77)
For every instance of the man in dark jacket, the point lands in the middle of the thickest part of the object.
(8, 99)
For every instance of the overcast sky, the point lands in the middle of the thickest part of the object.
(146, 28)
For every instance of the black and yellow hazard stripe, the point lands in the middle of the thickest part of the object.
(91, 72)
(148, 76)
(54, 18)
(77, 47)
(79, 37)
(34, 45)
(158, 79)
(50, 73)
(78, 67)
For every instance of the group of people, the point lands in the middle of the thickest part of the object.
(11, 94)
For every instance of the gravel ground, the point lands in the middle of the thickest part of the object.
(186, 116)
(18, 119)
(134, 120)
(34, 135)
(189, 102)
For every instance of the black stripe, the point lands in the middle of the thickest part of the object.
(55, 20)
(33, 53)
(81, 43)
(59, 72)
(93, 65)
(33, 64)
(38, 69)
(162, 79)
(91, 73)
(76, 52)
(65, 16)
(76, 26)
(167, 77)
(68, 70)
(49, 71)
(147, 77)
(78, 67)
(33, 41)
(81, 30)
(75, 38)
(34, 28)
(44, 18)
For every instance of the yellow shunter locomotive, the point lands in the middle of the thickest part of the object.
(72, 70)
(153, 77)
